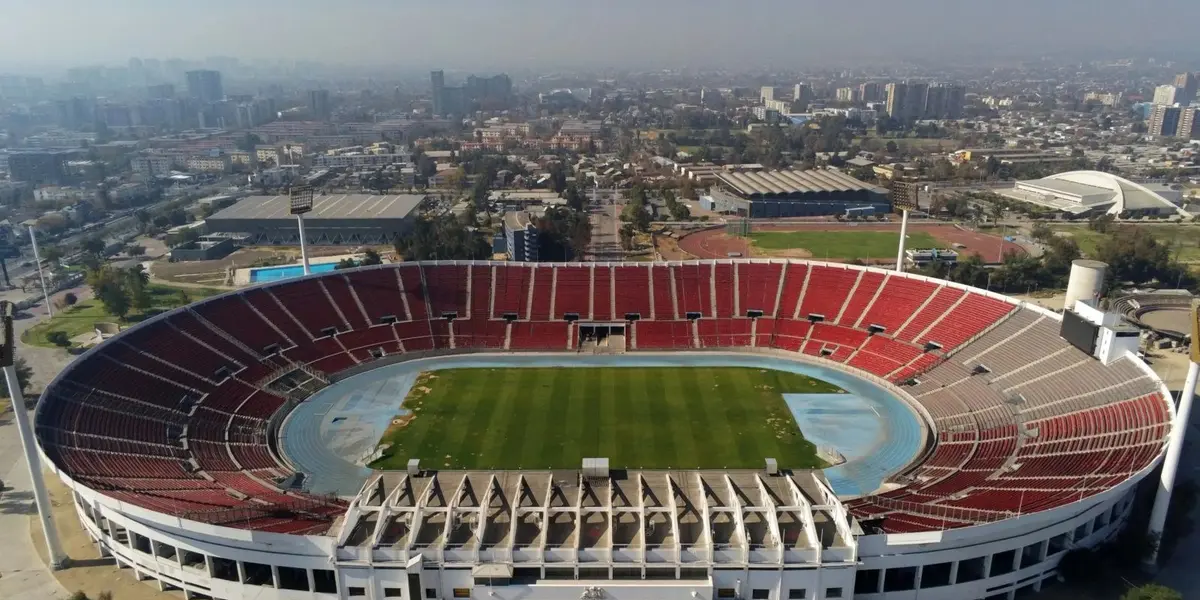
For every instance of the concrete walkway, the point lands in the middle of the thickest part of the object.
(22, 573)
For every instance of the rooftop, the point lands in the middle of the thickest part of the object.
(332, 206)
(791, 182)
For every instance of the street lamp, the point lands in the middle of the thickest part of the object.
(301, 201)
(25, 431)
(37, 260)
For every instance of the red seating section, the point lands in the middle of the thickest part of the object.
(170, 415)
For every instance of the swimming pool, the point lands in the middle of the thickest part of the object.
(262, 274)
(327, 435)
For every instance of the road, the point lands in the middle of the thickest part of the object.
(606, 225)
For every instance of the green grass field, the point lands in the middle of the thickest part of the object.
(841, 244)
(83, 316)
(538, 418)
(1183, 240)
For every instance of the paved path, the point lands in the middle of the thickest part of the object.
(606, 225)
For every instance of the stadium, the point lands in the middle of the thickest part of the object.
(854, 432)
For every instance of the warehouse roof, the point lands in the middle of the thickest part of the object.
(789, 182)
(330, 206)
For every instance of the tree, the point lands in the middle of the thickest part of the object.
(92, 245)
(59, 338)
(1152, 591)
(134, 250)
(249, 142)
(370, 257)
(626, 234)
(51, 254)
(70, 299)
(575, 199)
(892, 148)
(1041, 232)
(136, 281)
(108, 287)
(24, 376)
(346, 263)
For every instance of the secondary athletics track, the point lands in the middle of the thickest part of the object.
(716, 244)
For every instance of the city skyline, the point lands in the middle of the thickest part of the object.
(537, 33)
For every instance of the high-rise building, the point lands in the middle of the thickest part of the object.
(767, 93)
(956, 100)
(1164, 120)
(497, 88)
(935, 102)
(897, 94)
(437, 81)
(1166, 94)
(1187, 84)
(916, 100)
(846, 94)
(802, 92)
(40, 166)
(1189, 124)
(205, 86)
(318, 104)
(162, 91)
(870, 92)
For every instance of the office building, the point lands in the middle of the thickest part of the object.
(520, 236)
(150, 166)
(768, 92)
(870, 92)
(1167, 94)
(162, 91)
(205, 86)
(488, 92)
(318, 105)
(1187, 84)
(40, 166)
(916, 101)
(495, 90)
(846, 94)
(1164, 120)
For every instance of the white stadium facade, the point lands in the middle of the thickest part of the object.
(1092, 193)
(167, 435)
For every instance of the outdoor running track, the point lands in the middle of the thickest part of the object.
(714, 243)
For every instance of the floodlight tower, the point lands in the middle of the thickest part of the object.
(25, 431)
(301, 197)
(1166, 482)
(37, 260)
(905, 196)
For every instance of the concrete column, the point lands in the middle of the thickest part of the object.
(1166, 483)
(312, 580)
(954, 573)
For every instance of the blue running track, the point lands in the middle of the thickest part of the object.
(328, 435)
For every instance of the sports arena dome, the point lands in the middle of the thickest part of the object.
(167, 433)
(1097, 192)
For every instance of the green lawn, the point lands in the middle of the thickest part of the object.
(538, 418)
(841, 244)
(83, 316)
(1183, 240)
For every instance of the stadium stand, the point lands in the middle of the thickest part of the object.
(172, 415)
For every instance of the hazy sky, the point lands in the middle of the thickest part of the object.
(617, 33)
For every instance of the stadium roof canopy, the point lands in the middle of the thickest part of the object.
(329, 206)
(765, 184)
(1080, 192)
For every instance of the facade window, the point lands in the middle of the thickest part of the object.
(1031, 555)
(833, 592)
(1058, 544)
(430, 593)
(324, 581)
(935, 575)
(760, 594)
(1002, 562)
(726, 593)
(393, 592)
(797, 594)
(970, 570)
(462, 592)
(291, 578)
(866, 581)
(900, 579)
(356, 591)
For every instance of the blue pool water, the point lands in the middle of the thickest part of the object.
(262, 274)
(327, 435)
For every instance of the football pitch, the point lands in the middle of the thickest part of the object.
(841, 244)
(553, 418)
